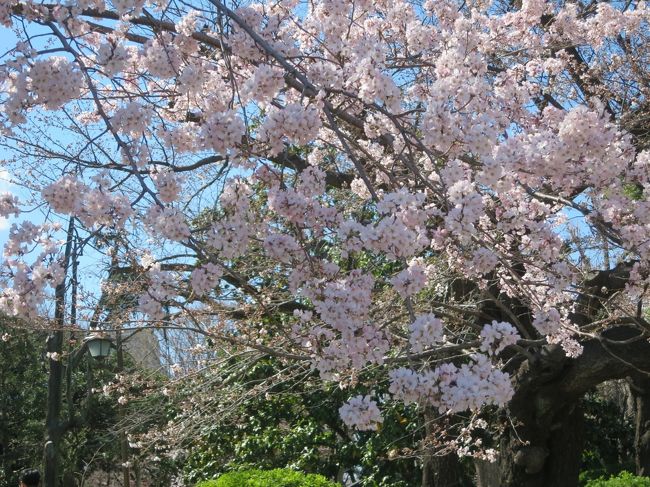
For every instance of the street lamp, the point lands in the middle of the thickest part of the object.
(98, 345)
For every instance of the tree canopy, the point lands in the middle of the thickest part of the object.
(449, 194)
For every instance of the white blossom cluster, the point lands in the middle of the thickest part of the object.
(55, 81)
(361, 413)
(132, 119)
(359, 187)
(376, 86)
(426, 331)
(159, 292)
(21, 236)
(355, 349)
(183, 138)
(101, 207)
(230, 236)
(28, 292)
(294, 122)
(548, 322)
(223, 131)
(8, 205)
(128, 6)
(167, 222)
(265, 84)
(65, 195)
(311, 182)
(453, 389)
(484, 260)
(168, 184)
(346, 339)
(5, 12)
(412, 279)
(161, 57)
(92, 206)
(191, 80)
(343, 303)
(496, 336)
(187, 24)
(205, 278)
(113, 56)
(400, 233)
(281, 247)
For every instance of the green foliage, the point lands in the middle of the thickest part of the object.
(269, 478)
(23, 394)
(633, 191)
(90, 442)
(624, 479)
(279, 429)
(295, 424)
(609, 438)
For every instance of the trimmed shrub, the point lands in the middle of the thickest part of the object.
(624, 479)
(280, 477)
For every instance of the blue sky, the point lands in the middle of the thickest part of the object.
(7, 41)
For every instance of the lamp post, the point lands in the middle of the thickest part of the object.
(99, 347)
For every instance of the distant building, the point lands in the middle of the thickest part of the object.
(144, 348)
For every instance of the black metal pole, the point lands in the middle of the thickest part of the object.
(53, 426)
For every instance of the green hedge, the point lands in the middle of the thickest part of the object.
(280, 477)
(624, 479)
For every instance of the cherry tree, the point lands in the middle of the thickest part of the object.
(450, 192)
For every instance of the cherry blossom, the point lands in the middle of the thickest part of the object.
(496, 336)
(427, 330)
(205, 278)
(55, 81)
(362, 413)
(377, 179)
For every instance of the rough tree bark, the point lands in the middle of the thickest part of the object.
(439, 470)
(442, 471)
(545, 444)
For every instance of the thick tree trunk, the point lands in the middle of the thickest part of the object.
(640, 387)
(544, 445)
(538, 454)
(440, 470)
(565, 447)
